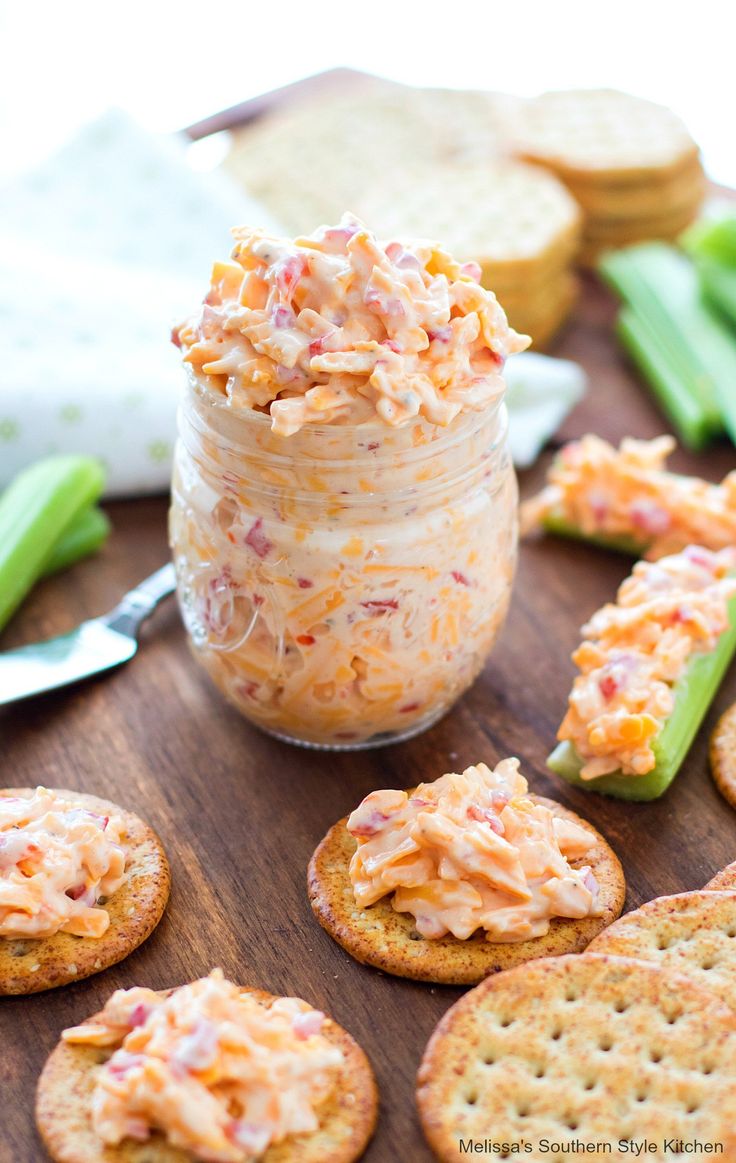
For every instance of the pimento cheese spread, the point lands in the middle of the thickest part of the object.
(627, 492)
(635, 651)
(338, 328)
(222, 1075)
(470, 852)
(57, 859)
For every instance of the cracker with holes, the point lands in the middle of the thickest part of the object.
(462, 878)
(692, 933)
(83, 883)
(603, 136)
(722, 755)
(725, 879)
(588, 1049)
(206, 1071)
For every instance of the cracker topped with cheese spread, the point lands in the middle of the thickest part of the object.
(82, 884)
(463, 877)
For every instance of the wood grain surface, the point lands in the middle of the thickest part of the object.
(240, 813)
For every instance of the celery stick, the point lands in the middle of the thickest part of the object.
(35, 510)
(718, 282)
(561, 527)
(694, 692)
(661, 284)
(715, 238)
(86, 534)
(690, 417)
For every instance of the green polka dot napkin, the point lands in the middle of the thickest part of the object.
(101, 251)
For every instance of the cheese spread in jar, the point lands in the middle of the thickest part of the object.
(343, 514)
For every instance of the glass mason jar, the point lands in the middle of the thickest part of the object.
(344, 585)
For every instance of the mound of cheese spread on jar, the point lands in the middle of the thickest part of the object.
(220, 1074)
(471, 852)
(627, 492)
(666, 613)
(339, 328)
(57, 858)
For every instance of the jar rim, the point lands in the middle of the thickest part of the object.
(449, 434)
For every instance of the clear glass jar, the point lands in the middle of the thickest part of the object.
(342, 586)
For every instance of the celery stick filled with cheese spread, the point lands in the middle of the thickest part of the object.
(343, 515)
(649, 668)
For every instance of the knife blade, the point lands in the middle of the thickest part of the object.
(92, 648)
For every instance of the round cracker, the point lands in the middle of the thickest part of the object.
(630, 230)
(603, 134)
(692, 933)
(570, 1049)
(28, 965)
(646, 199)
(723, 880)
(387, 940)
(347, 1118)
(722, 754)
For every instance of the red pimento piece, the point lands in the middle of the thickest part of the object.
(472, 270)
(650, 517)
(392, 345)
(75, 893)
(283, 317)
(408, 708)
(699, 557)
(138, 1015)
(371, 825)
(304, 583)
(175, 337)
(608, 686)
(440, 335)
(306, 639)
(289, 273)
(379, 607)
(374, 444)
(460, 578)
(486, 816)
(257, 540)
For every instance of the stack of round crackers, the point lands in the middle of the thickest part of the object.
(423, 163)
(630, 164)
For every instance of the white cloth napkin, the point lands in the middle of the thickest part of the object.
(541, 392)
(101, 251)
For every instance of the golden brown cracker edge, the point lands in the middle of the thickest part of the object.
(347, 1118)
(387, 940)
(590, 1048)
(725, 879)
(28, 965)
(722, 755)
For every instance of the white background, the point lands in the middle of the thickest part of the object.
(169, 64)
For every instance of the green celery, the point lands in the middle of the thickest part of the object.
(718, 282)
(87, 533)
(694, 692)
(661, 285)
(712, 238)
(35, 510)
(561, 527)
(691, 418)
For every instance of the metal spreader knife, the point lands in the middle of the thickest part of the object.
(94, 647)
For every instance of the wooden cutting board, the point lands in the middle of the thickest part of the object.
(240, 813)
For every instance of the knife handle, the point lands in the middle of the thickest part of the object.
(139, 603)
